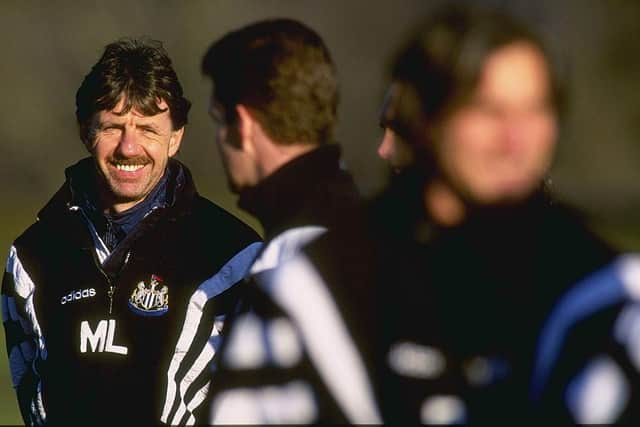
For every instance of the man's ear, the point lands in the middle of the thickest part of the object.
(246, 127)
(88, 137)
(175, 140)
(87, 145)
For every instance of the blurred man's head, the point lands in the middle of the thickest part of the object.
(393, 148)
(273, 82)
(475, 92)
(131, 115)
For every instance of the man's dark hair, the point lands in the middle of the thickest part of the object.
(282, 71)
(439, 68)
(141, 71)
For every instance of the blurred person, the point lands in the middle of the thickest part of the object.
(113, 300)
(476, 248)
(393, 149)
(441, 303)
(274, 102)
(470, 253)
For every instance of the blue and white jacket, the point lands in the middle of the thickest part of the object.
(124, 336)
(588, 359)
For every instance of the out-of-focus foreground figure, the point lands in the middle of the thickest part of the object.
(274, 101)
(477, 250)
(448, 295)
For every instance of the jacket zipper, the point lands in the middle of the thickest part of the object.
(111, 288)
(110, 293)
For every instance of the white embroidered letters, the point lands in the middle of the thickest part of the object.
(102, 339)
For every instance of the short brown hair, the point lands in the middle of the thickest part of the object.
(141, 71)
(282, 71)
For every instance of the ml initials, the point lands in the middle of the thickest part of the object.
(102, 339)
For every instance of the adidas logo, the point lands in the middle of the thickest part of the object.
(79, 294)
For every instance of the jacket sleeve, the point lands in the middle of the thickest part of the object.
(25, 344)
(292, 358)
(586, 367)
(188, 374)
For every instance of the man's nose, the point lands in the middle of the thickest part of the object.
(515, 129)
(385, 149)
(128, 145)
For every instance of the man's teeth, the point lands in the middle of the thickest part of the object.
(129, 168)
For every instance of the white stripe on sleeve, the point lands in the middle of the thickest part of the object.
(299, 289)
(231, 273)
(25, 289)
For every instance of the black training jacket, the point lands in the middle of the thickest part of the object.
(462, 308)
(260, 365)
(122, 337)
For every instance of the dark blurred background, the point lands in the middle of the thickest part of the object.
(50, 46)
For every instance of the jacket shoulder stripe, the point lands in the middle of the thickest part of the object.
(25, 288)
(22, 360)
(23, 285)
(286, 245)
(597, 291)
(342, 368)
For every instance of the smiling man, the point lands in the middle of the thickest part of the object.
(131, 152)
(113, 300)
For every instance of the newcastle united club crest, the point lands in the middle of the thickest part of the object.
(151, 299)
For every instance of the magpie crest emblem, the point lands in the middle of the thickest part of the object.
(151, 299)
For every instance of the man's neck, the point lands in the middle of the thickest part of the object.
(273, 156)
(118, 208)
(111, 206)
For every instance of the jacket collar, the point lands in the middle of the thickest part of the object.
(400, 210)
(81, 181)
(280, 197)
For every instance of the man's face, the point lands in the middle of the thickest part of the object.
(237, 165)
(393, 148)
(131, 152)
(498, 146)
